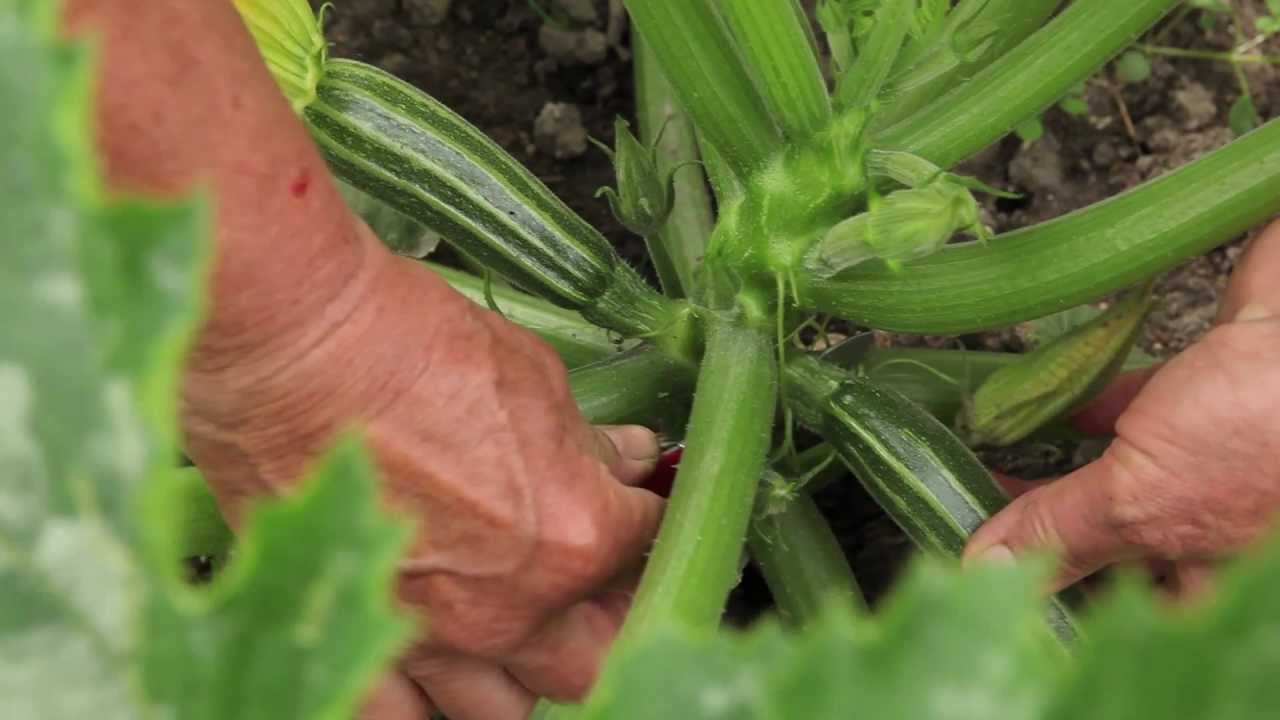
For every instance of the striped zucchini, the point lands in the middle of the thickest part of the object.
(394, 142)
(919, 472)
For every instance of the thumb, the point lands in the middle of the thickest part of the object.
(1071, 517)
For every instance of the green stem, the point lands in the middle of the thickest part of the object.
(642, 386)
(727, 186)
(577, 341)
(1071, 260)
(934, 66)
(802, 561)
(862, 82)
(630, 306)
(683, 239)
(779, 55)
(694, 563)
(1217, 56)
(1028, 79)
(698, 56)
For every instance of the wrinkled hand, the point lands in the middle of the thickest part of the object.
(529, 533)
(1194, 471)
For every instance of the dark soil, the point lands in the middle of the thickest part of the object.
(489, 60)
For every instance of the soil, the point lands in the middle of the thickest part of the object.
(540, 77)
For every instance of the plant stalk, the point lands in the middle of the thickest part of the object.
(577, 341)
(1071, 260)
(699, 57)
(641, 386)
(694, 563)
(861, 84)
(662, 121)
(1028, 79)
(779, 55)
(933, 66)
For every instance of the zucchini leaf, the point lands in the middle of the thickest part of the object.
(971, 646)
(961, 647)
(97, 300)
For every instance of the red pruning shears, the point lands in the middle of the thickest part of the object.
(664, 474)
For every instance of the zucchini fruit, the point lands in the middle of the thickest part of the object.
(399, 145)
(919, 472)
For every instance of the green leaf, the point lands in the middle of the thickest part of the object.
(1214, 662)
(300, 621)
(201, 531)
(1045, 329)
(1030, 130)
(951, 646)
(97, 300)
(1133, 67)
(1243, 117)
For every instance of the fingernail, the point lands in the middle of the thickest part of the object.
(634, 442)
(996, 555)
(1254, 312)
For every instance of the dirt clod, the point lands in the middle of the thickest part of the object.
(558, 131)
(573, 47)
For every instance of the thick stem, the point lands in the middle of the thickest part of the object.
(1071, 260)
(577, 341)
(630, 306)
(683, 239)
(694, 563)
(1028, 79)
(642, 385)
(698, 56)
(802, 561)
(779, 55)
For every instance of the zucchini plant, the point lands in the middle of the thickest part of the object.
(772, 190)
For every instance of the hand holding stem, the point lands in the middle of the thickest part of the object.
(1194, 472)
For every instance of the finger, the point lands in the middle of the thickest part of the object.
(633, 516)
(396, 697)
(562, 659)
(629, 451)
(1099, 416)
(1192, 579)
(1253, 287)
(465, 688)
(1067, 517)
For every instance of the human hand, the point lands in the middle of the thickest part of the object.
(529, 532)
(1194, 471)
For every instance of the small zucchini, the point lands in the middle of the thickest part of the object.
(1054, 379)
(919, 472)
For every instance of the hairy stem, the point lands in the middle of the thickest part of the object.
(642, 385)
(700, 59)
(694, 562)
(779, 55)
(577, 341)
(1028, 79)
(1071, 260)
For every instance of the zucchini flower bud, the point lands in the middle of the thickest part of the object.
(642, 202)
(901, 226)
